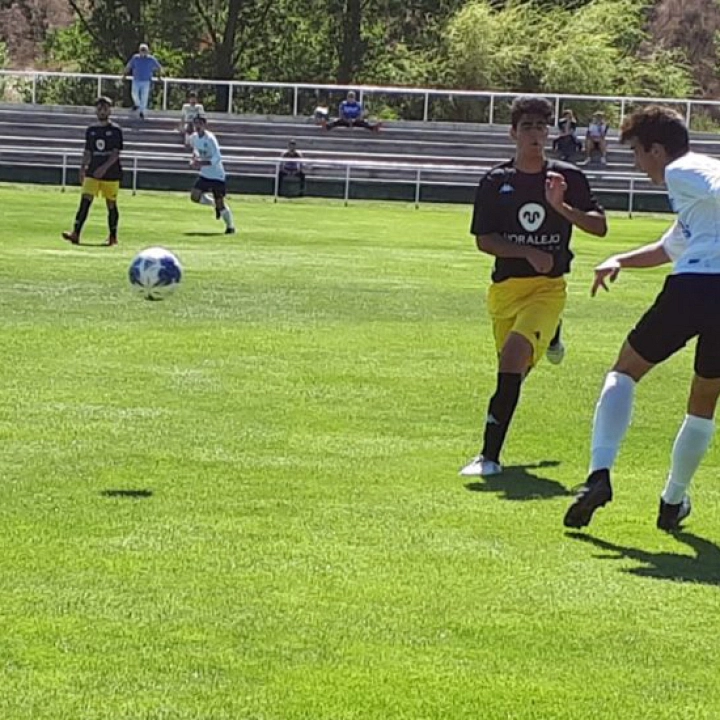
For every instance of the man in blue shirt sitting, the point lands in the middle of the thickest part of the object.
(352, 114)
(142, 66)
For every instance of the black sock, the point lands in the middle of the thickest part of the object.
(556, 337)
(82, 213)
(113, 217)
(500, 411)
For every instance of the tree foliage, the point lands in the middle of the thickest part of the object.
(559, 46)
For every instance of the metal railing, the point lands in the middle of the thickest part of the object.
(347, 171)
(292, 98)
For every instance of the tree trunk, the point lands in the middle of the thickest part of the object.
(351, 48)
(224, 66)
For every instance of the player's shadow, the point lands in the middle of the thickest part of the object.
(517, 483)
(704, 567)
(204, 234)
(89, 244)
(134, 494)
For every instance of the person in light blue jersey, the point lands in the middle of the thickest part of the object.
(351, 114)
(142, 66)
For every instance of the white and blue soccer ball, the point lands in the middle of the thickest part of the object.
(155, 273)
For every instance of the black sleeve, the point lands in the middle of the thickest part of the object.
(119, 139)
(579, 195)
(486, 218)
(88, 141)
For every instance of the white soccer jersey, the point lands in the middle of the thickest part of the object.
(190, 112)
(207, 148)
(693, 242)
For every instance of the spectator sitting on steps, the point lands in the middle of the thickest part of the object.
(291, 168)
(566, 144)
(190, 110)
(596, 138)
(352, 114)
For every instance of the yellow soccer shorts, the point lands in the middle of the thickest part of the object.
(107, 188)
(531, 307)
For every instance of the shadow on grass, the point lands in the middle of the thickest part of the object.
(204, 234)
(135, 494)
(516, 483)
(703, 568)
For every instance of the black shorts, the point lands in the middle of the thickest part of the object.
(216, 187)
(688, 306)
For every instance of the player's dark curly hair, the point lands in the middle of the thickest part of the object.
(657, 124)
(530, 105)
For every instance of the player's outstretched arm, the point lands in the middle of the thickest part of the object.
(651, 255)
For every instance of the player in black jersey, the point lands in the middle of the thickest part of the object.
(525, 210)
(101, 171)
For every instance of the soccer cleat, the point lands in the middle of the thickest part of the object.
(480, 467)
(111, 240)
(555, 353)
(670, 516)
(595, 493)
(230, 231)
(218, 213)
(72, 237)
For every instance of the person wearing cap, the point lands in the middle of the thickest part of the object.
(142, 66)
(101, 172)
(210, 187)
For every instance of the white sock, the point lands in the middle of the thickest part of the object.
(207, 199)
(226, 215)
(691, 444)
(612, 419)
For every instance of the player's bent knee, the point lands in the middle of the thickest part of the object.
(516, 354)
(631, 363)
(704, 393)
(195, 195)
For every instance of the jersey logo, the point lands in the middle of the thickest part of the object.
(100, 144)
(505, 188)
(531, 216)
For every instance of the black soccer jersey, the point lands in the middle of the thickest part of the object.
(100, 141)
(512, 204)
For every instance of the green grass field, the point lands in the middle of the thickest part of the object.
(243, 502)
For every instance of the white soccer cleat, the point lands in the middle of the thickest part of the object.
(555, 353)
(480, 467)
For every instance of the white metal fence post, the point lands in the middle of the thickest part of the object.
(347, 184)
(64, 172)
(417, 188)
(630, 199)
(134, 175)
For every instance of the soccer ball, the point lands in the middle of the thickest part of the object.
(155, 273)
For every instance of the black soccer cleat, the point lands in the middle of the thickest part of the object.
(595, 493)
(230, 231)
(670, 516)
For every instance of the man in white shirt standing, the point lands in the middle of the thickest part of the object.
(210, 188)
(687, 307)
(190, 110)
